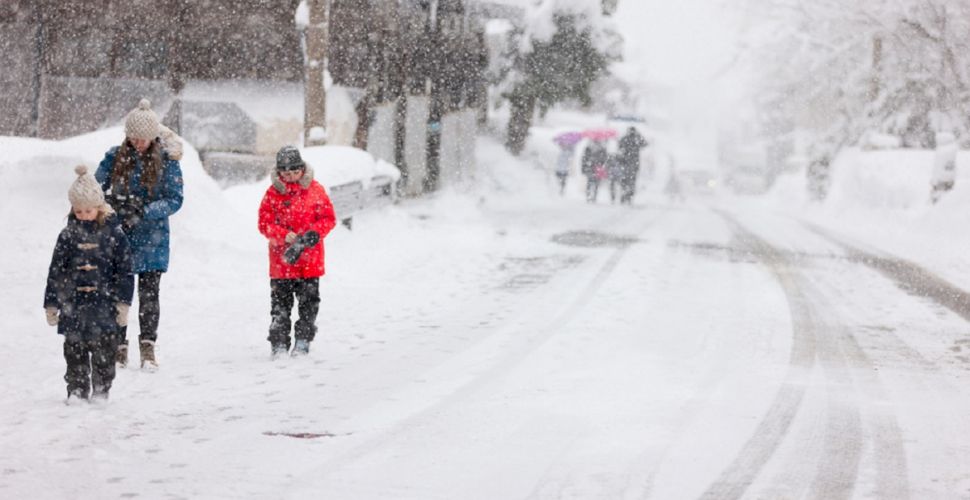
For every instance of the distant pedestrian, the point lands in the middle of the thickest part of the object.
(944, 165)
(563, 162)
(629, 158)
(295, 215)
(673, 188)
(594, 168)
(143, 182)
(89, 289)
(617, 174)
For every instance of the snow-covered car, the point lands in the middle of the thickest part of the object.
(354, 178)
(748, 180)
(699, 181)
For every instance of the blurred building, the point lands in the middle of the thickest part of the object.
(413, 72)
(71, 66)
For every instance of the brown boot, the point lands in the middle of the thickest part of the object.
(121, 356)
(147, 348)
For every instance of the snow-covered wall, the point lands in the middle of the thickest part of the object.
(380, 139)
(415, 143)
(341, 116)
(457, 148)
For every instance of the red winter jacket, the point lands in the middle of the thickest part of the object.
(297, 207)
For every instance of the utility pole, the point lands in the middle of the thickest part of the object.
(315, 105)
(38, 77)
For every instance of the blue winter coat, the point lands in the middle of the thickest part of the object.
(149, 237)
(90, 273)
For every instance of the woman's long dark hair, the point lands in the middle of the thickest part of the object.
(125, 164)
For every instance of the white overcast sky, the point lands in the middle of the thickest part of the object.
(680, 42)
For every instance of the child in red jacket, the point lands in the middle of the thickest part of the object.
(295, 215)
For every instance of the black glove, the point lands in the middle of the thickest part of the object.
(130, 209)
(303, 241)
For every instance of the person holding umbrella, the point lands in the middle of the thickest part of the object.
(566, 142)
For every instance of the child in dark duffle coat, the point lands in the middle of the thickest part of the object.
(295, 215)
(89, 289)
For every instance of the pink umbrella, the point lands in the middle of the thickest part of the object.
(568, 139)
(599, 134)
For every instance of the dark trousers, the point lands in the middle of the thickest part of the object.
(592, 188)
(616, 189)
(148, 307)
(89, 363)
(562, 181)
(282, 293)
(629, 188)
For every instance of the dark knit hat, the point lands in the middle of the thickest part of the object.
(288, 158)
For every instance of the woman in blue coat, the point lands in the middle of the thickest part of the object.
(143, 183)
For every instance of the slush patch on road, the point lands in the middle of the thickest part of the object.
(302, 435)
(730, 253)
(738, 251)
(531, 272)
(593, 239)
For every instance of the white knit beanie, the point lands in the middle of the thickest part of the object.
(141, 122)
(85, 192)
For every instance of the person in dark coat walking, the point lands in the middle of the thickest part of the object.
(593, 166)
(143, 183)
(294, 215)
(617, 172)
(89, 289)
(628, 156)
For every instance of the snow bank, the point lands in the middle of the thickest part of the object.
(893, 179)
(882, 198)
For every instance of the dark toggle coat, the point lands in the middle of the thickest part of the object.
(89, 274)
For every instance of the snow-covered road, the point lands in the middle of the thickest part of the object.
(508, 344)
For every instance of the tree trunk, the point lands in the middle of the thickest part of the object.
(400, 136)
(315, 110)
(364, 115)
(520, 119)
(875, 81)
(38, 77)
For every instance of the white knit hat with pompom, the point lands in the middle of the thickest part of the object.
(142, 122)
(85, 192)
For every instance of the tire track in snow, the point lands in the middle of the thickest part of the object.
(807, 349)
(908, 276)
(738, 476)
(849, 375)
(529, 343)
